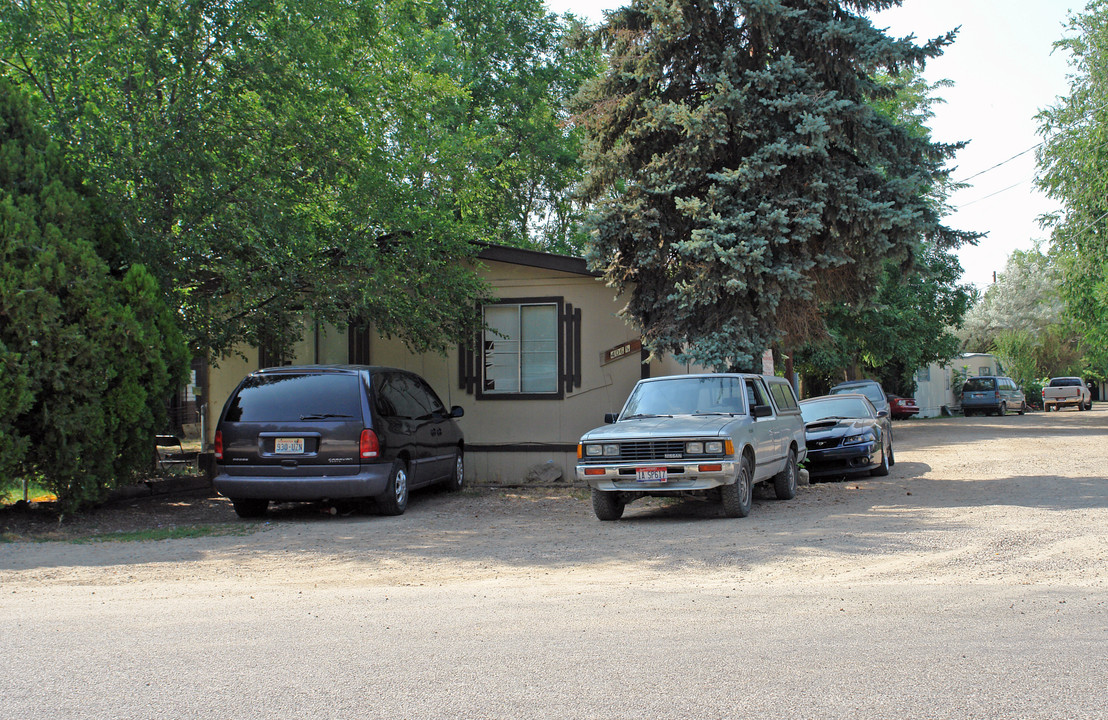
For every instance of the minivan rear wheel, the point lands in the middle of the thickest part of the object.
(394, 501)
(250, 507)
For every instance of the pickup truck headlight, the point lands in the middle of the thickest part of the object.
(611, 450)
(715, 447)
(601, 450)
(694, 448)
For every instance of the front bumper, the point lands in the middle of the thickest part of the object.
(843, 460)
(681, 476)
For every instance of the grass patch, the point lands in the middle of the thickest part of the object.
(177, 533)
(151, 535)
(35, 493)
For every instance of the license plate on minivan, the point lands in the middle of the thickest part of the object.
(288, 446)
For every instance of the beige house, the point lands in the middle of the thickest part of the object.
(560, 357)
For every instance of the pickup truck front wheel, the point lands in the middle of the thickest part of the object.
(607, 505)
(738, 496)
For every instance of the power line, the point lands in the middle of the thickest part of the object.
(999, 164)
(971, 202)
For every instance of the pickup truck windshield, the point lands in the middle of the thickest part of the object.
(686, 396)
(1066, 382)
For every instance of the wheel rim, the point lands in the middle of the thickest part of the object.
(459, 471)
(744, 487)
(401, 485)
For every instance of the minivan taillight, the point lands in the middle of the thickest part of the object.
(218, 444)
(368, 447)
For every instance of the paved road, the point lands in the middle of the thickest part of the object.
(971, 583)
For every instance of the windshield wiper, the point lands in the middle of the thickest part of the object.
(323, 416)
(715, 412)
(640, 416)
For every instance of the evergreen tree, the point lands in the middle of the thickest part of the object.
(88, 359)
(1073, 161)
(742, 174)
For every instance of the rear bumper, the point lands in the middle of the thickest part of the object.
(370, 481)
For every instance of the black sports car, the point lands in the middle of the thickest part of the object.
(846, 435)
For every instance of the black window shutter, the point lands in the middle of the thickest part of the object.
(571, 338)
(467, 366)
(358, 344)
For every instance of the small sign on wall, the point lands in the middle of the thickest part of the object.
(627, 349)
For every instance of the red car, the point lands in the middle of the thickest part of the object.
(902, 407)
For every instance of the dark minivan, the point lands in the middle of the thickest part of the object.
(989, 394)
(323, 432)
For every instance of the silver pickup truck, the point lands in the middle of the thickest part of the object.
(707, 436)
(1063, 391)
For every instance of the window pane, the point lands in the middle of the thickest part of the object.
(285, 398)
(539, 348)
(501, 349)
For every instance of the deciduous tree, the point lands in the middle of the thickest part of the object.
(274, 157)
(1073, 167)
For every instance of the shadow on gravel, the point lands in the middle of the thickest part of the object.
(907, 511)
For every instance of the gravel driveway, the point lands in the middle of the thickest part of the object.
(971, 582)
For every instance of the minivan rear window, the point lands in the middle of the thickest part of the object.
(978, 384)
(295, 398)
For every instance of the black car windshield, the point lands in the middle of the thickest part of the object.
(685, 396)
(835, 407)
(296, 397)
(871, 390)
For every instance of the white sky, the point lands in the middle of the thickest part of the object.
(1004, 72)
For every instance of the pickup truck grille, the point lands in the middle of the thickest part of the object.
(652, 449)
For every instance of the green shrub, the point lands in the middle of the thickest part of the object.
(88, 356)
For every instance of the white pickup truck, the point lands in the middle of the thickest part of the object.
(1061, 391)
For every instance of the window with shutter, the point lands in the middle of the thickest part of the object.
(530, 348)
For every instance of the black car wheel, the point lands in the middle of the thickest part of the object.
(784, 482)
(883, 469)
(457, 480)
(607, 505)
(250, 507)
(739, 495)
(394, 501)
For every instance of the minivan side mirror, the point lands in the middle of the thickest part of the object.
(457, 411)
(610, 418)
